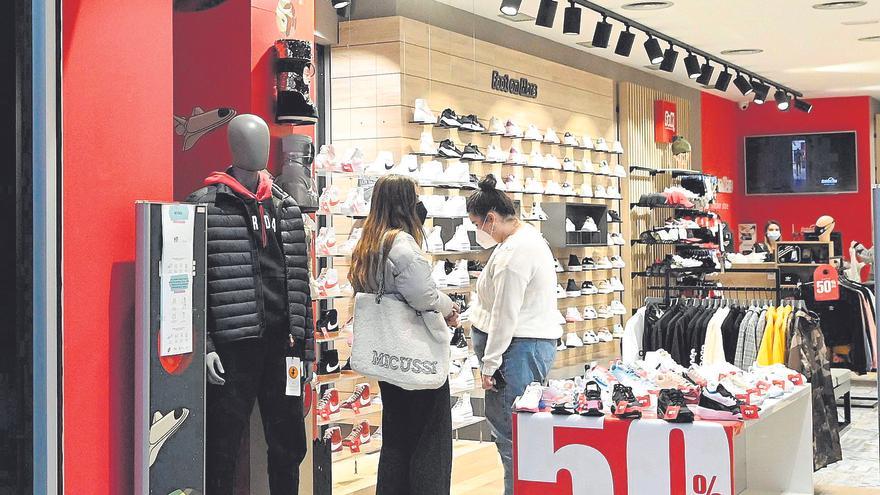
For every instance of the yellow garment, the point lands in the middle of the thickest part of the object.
(764, 353)
(773, 343)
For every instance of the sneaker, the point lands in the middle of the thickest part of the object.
(459, 276)
(574, 264)
(604, 287)
(513, 184)
(568, 165)
(360, 435)
(590, 313)
(472, 152)
(382, 165)
(615, 217)
(449, 119)
(590, 402)
(434, 240)
(426, 144)
(571, 290)
(616, 284)
(553, 188)
(560, 292)
(716, 403)
(496, 126)
(569, 140)
(590, 225)
(585, 191)
(455, 207)
(434, 204)
(533, 134)
(515, 157)
(590, 338)
(588, 263)
(333, 436)
(623, 403)
(603, 312)
(587, 142)
(617, 308)
(474, 268)
(617, 239)
(459, 240)
(328, 283)
(359, 398)
(550, 136)
(438, 274)
(603, 264)
(672, 407)
(430, 174)
(458, 347)
(604, 335)
(536, 159)
(355, 205)
(619, 171)
(354, 162)
(557, 266)
(569, 225)
(588, 289)
(512, 130)
(573, 315)
(586, 166)
(604, 169)
(530, 400)
(533, 186)
(494, 154)
(560, 318)
(551, 162)
(566, 189)
(560, 345)
(600, 192)
(422, 113)
(325, 242)
(601, 145)
(447, 149)
(612, 192)
(618, 331)
(572, 340)
(328, 404)
(462, 410)
(326, 159)
(471, 123)
(617, 148)
(456, 174)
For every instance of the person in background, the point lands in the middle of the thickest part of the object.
(416, 454)
(514, 313)
(772, 235)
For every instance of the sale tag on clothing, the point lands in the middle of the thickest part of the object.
(294, 373)
(826, 285)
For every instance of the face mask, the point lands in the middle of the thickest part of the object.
(822, 230)
(484, 239)
(773, 236)
(421, 211)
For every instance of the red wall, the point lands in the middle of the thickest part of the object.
(117, 142)
(724, 128)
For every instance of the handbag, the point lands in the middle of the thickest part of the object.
(394, 343)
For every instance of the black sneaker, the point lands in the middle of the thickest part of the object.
(458, 344)
(615, 217)
(329, 321)
(471, 152)
(471, 123)
(448, 266)
(574, 264)
(461, 300)
(347, 365)
(590, 403)
(672, 407)
(588, 264)
(624, 404)
(472, 183)
(719, 405)
(449, 119)
(329, 362)
(587, 288)
(474, 268)
(447, 148)
(571, 290)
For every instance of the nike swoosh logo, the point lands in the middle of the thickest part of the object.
(333, 369)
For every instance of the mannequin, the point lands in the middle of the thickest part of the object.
(259, 313)
(824, 227)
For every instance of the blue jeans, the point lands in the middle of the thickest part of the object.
(525, 361)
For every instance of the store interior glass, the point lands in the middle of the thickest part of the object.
(630, 250)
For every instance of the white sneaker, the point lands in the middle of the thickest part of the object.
(513, 184)
(586, 166)
(496, 126)
(533, 186)
(427, 146)
(328, 283)
(550, 161)
(617, 239)
(617, 307)
(325, 242)
(408, 165)
(611, 240)
(569, 140)
(382, 165)
(431, 173)
(590, 226)
(573, 315)
(618, 331)
(552, 188)
(604, 263)
(463, 379)
(604, 288)
(585, 191)
(438, 274)
(560, 292)
(612, 192)
(326, 159)
(590, 338)
(516, 157)
(434, 240)
(587, 142)
(566, 190)
(353, 162)
(512, 130)
(600, 192)
(459, 240)
(603, 312)
(434, 204)
(617, 148)
(533, 134)
(604, 335)
(616, 284)
(456, 174)
(494, 154)
(557, 266)
(568, 165)
(569, 225)
(422, 113)
(455, 207)
(604, 169)
(617, 262)
(462, 410)
(459, 276)
(530, 400)
(572, 340)
(601, 145)
(348, 246)
(538, 212)
(550, 136)
(619, 171)
(355, 205)
(536, 159)
(590, 313)
(560, 318)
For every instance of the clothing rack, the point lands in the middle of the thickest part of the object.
(775, 289)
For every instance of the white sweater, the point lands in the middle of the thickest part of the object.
(516, 295)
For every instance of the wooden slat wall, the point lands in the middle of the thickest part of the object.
(637, 135)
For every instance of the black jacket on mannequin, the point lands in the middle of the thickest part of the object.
(237, 235)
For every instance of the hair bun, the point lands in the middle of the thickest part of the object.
(488, 183)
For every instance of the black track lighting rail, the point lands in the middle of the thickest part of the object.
(689, 48)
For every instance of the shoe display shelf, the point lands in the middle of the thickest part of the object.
(570, 362)
(347, 416)
(557, 234)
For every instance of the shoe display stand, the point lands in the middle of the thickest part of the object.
(609, 456)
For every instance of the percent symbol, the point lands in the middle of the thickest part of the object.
(702, 486)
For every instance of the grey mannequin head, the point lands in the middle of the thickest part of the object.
(248, 137)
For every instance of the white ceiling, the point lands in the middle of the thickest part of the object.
(807, 49)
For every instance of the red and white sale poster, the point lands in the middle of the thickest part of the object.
(578, 455)
(826, 283)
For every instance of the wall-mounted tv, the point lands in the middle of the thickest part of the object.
(801, 163)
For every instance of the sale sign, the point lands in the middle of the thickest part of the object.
(579, 455)
(665, 125)
(826, 283)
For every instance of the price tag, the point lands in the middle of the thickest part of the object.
(672, 412)
(797, 379)
(749, 412)
(294, 373)
(644, 400)
(826, 286)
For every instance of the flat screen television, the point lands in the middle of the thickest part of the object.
(801, 163)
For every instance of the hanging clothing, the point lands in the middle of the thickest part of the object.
(847, 325)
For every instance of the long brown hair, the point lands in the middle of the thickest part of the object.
(393, 210)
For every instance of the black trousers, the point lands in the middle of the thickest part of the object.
(416, 455)
(255, 370)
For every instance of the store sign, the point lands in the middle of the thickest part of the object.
(665, 124)
(574, 455)
(512, 85)
(826, 283)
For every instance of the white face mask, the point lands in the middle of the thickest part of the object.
(485, 239)
(773, 236)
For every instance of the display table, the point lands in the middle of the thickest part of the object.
(579, 455)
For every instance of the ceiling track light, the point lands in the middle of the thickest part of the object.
(743, 84)
(572, 20)
(803, 105)
(670, 57)
(652, 48)
(783, 100)
(625, 42)
(761, 91)
(692, 65)
(602, 34)
(546, 13)
(723, 81)
(510, 7)
(706, 72)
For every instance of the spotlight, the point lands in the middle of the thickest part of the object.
(602, 33)
(510, 7)
(723, 81)
(546, 13)
(670, 56)
(692, 65)
(340, 4)
(783, 100)
(706, 72)
(803, 105)
(652, 48)
(572, 20)
(761, 91)
(742, 84)
(625, 43)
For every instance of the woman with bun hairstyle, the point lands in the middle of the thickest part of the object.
(514, 314)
